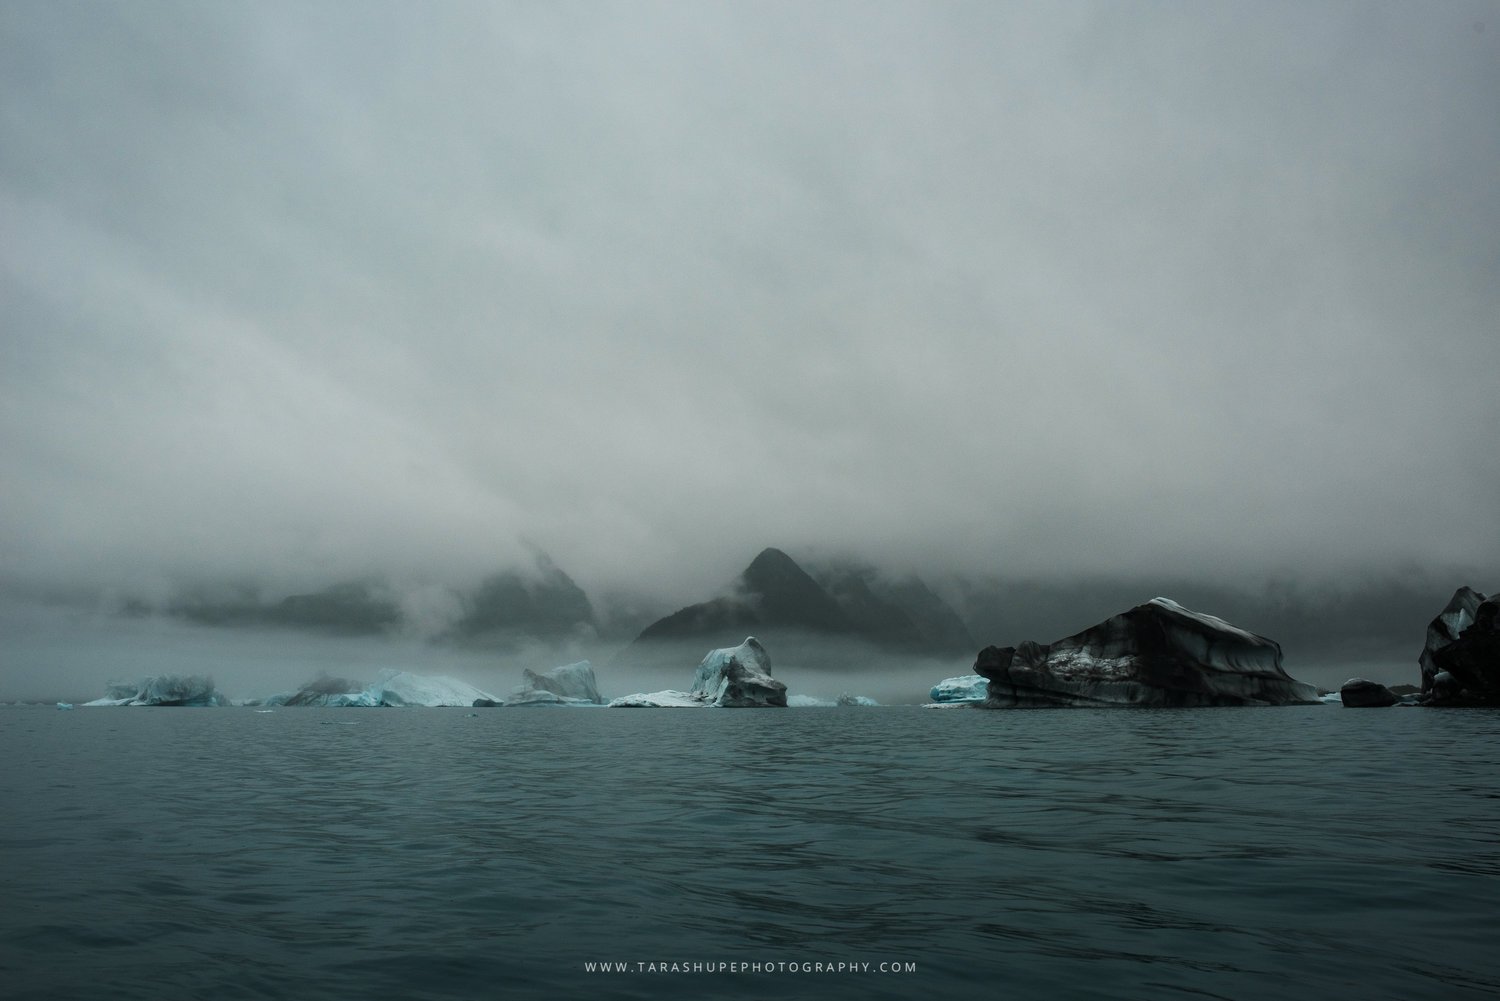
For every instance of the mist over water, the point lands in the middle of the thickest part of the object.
(62, 653)
(1051, 855)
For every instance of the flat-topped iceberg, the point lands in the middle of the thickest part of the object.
(402, 688)
(669, 699)
(1156, 654)
(964, 689)
(737, 677)
(163, 690)
(844, 699)
(390, 688)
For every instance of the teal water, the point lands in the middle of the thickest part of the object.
(1307, 852)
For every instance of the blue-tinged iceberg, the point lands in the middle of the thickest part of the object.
(390, 688)
(964, 689)
(668, 699)
(737, 677)
(163, 690)
(844, 699)
(569, 685)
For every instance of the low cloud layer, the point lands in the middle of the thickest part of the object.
(305, 293)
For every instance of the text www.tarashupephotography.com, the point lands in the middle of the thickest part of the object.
(741, 967)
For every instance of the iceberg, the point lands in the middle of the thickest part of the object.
(737, 677)
(1461, 658)
(844, 699)
(964, 689)
(1156, 654)
(569, 685)
(669, 699)
(162, 690)
(402, 688)
(1358, 693)
(391, 688)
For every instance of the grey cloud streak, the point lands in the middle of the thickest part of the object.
(310, 291)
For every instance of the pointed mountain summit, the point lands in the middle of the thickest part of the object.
(785, 594)
(838, 615)
(772, 591)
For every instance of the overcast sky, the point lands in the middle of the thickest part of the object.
(304, 291)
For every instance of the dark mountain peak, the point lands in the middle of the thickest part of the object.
(772, 592)
(845, 600)
(785, 594)
(772, 560)
(538, 601)
(772, 571)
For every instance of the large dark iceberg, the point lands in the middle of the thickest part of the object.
(1360, 693)
(1156, 654)
(1461, 658)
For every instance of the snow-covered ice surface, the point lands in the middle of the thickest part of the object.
(669, 699)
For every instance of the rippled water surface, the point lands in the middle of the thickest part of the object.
(320, 853)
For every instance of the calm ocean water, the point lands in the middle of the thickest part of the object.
(449, 853)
